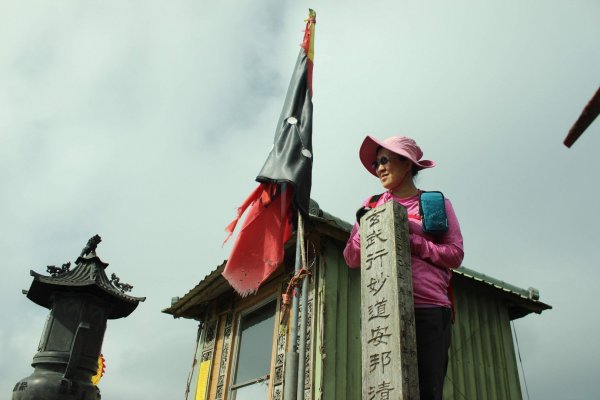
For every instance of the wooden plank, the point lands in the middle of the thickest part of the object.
(319, 323)
(353, 367)
(207, 352)
(389, 353)
(330, 345)
(342, 330)
(214, 376)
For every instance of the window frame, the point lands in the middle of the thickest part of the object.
(240, 313)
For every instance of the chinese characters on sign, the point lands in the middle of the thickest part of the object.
(388, 347)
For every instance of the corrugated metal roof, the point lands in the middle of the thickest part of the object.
(530, 293)
(523, 301)
(213, 285)
(316, 214)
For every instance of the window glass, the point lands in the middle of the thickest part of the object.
(254, 352)
(256, 391)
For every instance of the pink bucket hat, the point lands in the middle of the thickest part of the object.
(401, 145)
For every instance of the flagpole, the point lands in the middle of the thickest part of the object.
(289, 162)
(303, 310)
(292, 357)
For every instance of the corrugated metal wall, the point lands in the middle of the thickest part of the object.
(482, 356)
(338, 350)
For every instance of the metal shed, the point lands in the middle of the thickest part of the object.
(482, 360)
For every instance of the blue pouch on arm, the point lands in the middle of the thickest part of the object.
(432, 208)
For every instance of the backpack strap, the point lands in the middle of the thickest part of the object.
(373, 200)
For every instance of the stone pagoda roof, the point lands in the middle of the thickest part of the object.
(88, 277)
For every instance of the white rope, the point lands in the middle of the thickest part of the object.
(520, 361)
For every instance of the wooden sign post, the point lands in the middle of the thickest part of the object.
(389, 351)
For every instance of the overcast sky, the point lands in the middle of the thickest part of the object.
(146, 122)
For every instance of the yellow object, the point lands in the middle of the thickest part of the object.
(310, 29)
(101, 368)
(202, 380)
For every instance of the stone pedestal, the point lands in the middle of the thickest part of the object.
(389, 352)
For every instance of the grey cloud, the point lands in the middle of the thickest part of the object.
(147, 123)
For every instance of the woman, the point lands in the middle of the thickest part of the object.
(395, 161)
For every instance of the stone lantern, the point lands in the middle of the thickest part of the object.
(80, 300)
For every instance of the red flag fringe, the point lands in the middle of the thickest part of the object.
(258, 249)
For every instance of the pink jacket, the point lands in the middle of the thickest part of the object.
(431, 256)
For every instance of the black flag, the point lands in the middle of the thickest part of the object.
(291, 159)
(258, 250)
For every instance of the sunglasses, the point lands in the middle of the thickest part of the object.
(383, 160)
